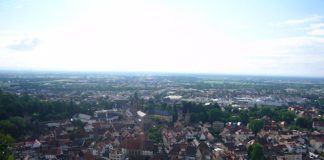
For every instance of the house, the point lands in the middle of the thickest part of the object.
(202, 137)
(217, 153)
(319, 125)
(116, 154)
(243, 134)
(168, 138)
(190, 153)
(106, 115)
(88, 128)
(317, 142)
(36, 144)
(112, 117)
(290, 157)
(239, 150)
(177, 151)
(135, 147)
(203, 152)
(218, 126)
(189, 136)
(82, 117)
(313, 155)
(52, 153)
(140, 114)
(53, 124)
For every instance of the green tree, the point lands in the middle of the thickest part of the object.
(9, 128)
(214, 115)
(255, 152)
(77, 123)
(3, 114)
(200, 116)
(19, 122)
(266, 111)
(256, 125)
(155, 134)
(304, 123)
(244, 118)
(287, 116)
(6, 142)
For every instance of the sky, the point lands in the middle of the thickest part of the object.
(254, 37)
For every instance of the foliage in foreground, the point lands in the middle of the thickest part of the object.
(6, 142)
(255, 152)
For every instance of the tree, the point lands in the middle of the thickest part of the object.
(9, 128)
(214, 115)
(3, 114)
(79, 124)
(304, 123)
(6, 142)
(19, 122)
(256, 125)
(244, 118)
(266, 111)
(287, 116)
(196, 117)
(155, 134)
(255, 152)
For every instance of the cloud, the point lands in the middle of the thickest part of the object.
(316, 32)
(25, 44)
(309, 19)
(316, 29)
(317, 25)
(308, 26)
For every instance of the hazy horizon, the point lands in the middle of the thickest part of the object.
(152, 73)
(254, 37)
